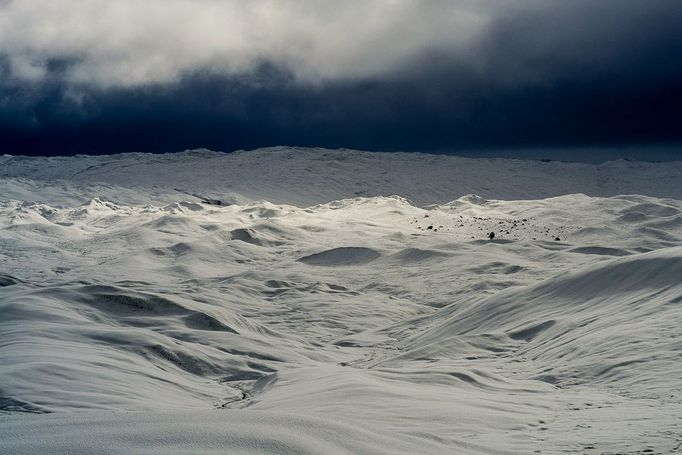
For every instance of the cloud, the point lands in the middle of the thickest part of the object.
(407, 75)
(130, 43)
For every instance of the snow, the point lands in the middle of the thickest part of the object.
(304, 177)
(339, 302)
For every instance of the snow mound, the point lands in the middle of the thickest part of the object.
(342, 256)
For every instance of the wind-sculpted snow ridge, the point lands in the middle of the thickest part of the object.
(356, 325)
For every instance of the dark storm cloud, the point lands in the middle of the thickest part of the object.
(572, 73)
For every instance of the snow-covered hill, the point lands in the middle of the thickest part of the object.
(303, 177)
(339, 302)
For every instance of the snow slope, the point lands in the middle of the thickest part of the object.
(303, 177)
(299, 317)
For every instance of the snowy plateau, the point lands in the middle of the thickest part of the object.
(291, 300)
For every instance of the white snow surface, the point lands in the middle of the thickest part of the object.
(339, 302)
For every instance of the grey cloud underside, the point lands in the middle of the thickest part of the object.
(566, 74)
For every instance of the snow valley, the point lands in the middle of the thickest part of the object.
(312, 301)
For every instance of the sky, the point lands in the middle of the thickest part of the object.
(450, 76)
